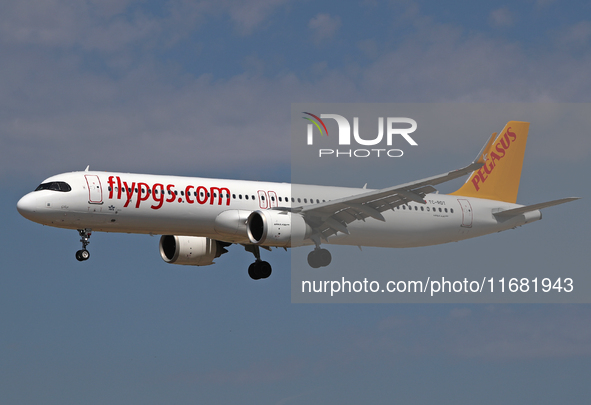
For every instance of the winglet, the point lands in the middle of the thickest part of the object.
(480, 158)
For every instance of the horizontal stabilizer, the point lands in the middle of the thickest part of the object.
(528, 208)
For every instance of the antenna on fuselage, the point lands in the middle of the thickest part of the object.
(87, 167)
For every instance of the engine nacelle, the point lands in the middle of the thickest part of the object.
(190, 250)
(277, 228)
(231, 225)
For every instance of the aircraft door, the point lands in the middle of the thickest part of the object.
(95, 191)
(467, 213)
(263, 203)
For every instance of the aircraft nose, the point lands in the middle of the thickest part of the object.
(28, 206)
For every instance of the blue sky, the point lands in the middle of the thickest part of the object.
(204, 88)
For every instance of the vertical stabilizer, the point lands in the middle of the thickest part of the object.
(499, 178)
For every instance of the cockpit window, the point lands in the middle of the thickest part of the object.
(55, 186)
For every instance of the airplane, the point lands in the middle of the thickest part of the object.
(199, 217)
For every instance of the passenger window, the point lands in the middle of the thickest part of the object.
(305, 200)
(246, 196)
(422, 208)
(299, 200)
(451, 210)
(240, 196)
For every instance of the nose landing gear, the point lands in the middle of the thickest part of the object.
(84, 254)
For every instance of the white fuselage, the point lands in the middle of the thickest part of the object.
(189, 206)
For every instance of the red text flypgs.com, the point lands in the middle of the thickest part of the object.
(144, 192)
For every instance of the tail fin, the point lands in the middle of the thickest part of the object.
(499, 178)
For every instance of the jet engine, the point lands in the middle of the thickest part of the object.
(277, 228)
(190, 250)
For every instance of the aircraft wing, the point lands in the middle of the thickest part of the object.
(331, 217)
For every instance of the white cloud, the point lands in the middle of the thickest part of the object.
(96, 25)
(577, 35)
(152, 116)
(490, 333)
(247, 15)
(501, 17)
(369, 47)
(324, 27)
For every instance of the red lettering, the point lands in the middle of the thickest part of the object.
(215, 195)
(500, 149)
(220, 195)
(141, 197)
(188, 194)
(111, 184)
(128, 192)
(494, 157)
(488, 169)
(171, 193)
(511, 134)
(475, 181)
(118, 188)
(201, 195)
(506, 138)
(482, 175)
(158, 196)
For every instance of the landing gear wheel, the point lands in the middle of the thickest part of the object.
(259, 269)
(319, 258)
(265, 269)
(313, 259)
(253, 271)
(325, 257)
(82, 255)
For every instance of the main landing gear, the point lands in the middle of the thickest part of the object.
(259, 269)
(319, 258)
(84, 254)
